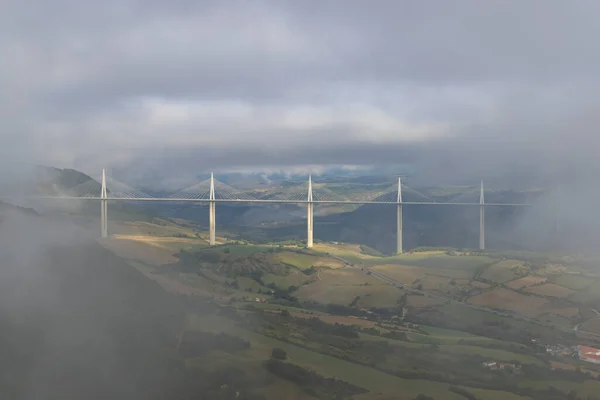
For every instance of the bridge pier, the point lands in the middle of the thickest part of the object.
(399, 249)
(212, 212)
(481, 220)
(309, 216)
(309, 225)
(103, 208)
(212, 230)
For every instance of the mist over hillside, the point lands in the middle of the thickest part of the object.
(76, 321)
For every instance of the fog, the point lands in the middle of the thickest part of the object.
(74, 320)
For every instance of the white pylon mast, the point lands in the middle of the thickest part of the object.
(212, 211)
(309, 216)
(481, 219)
(399, 249)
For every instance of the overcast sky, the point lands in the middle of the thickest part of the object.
(452, 85)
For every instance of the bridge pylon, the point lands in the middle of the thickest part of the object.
(103, 207)
(481, 219)
(399, 249)
(212, 211)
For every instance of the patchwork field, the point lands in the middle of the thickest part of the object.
(569, 312)
(400, 273)
(525, 282)
(342, 286)
(550, 289)
(505, 299)
(369, 378)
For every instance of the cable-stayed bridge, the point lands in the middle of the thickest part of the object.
(213, 191)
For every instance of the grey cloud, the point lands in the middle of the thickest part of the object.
(495, 85)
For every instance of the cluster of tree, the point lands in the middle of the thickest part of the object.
(313, 383)
(319, 326)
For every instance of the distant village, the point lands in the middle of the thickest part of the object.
(584, 353)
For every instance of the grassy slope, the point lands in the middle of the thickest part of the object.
(373, 380)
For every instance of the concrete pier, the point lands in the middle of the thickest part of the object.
(399, 248)
(212, 217)
(309, 215)
(103, 207)
(212, 211)
(481, 219)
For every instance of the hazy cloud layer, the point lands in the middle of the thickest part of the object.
(462, 86)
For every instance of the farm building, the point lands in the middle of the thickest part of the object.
(589, 354)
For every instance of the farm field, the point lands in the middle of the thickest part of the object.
(551, 290)
(294, 278)
(504, 271)
(298, 260)
(525, 282)
(567, 312)
(584, 389)
(574, 282)
(157, 228)
(446, 262)
(589, 296)
(494, 354)
(433, 283)
(328, 262)
(242, 249)
(556, 320)
(342, 286)
(476, 346)
(479, 285)
(350, 251)
(592, 325)
(505, 299)
(417, 301)
(400, 273)
(337, 319)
